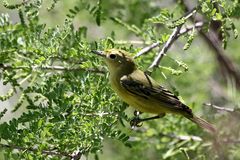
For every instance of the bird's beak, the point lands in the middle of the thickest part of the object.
(100, 53)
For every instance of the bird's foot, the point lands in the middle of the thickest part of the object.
(136, 122)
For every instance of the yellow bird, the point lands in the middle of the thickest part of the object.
(141, 91)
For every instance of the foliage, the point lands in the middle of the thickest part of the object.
(69, 109)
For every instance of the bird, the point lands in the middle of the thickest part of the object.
(139, 90)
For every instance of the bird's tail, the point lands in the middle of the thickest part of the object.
(202, 123)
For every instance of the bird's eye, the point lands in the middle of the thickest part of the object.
(112, 56)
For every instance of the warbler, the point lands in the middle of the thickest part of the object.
(141, 91)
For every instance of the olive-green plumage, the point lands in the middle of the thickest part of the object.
(141, 91)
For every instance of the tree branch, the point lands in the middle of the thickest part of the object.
(56, 68)
(147, 49)
(170, 40)
(47, 152)
(167, 45)
(98, 114)
(213, 39)
(156, 44)
(187, 29)
(136, 42)
(235, 141)
(224, 61)
(219, 108)
(182, 137)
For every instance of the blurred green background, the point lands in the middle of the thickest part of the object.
(204, 82)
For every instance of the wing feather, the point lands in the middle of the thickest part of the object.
(147, 88)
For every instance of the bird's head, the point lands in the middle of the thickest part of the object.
(117, 60)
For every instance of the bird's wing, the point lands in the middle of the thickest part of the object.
(149, 89)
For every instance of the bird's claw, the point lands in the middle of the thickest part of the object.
(136, 122)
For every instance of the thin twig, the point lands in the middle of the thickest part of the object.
(182, 137)
(47, 152)
(165, 47)
(235, 141)
(190, 28)
(56, 68)
(147, 49)
(136, 42)
(219, 108)
(156, 44)
(100, 114)
(185, 153)
(170, 40)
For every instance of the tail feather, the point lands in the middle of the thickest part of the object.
(203, 123)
